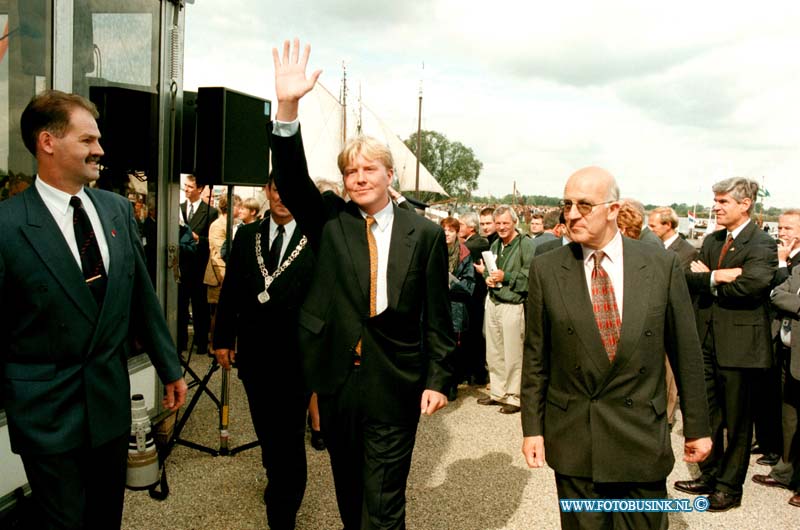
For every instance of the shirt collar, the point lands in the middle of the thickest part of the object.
(738, 229)
(288, 228)
(671, 240)
(56, 198)
(612, 250)
(383, 218)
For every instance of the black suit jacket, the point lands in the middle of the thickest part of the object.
(405, 348)
(600, 420)
(783, 273)
(686, 252)
(476, 245)
(63, 361)
(195, 265)
(263, 335)
(739, 314)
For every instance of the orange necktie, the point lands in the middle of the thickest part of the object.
(373, 279)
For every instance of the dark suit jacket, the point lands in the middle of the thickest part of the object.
(405, 349)
(544, 237)
(786, 301)
(608, 421)
(740, 310)
(783, 273)
(547, 246)
(63, 360)
(647, 236)
(199, 224)
(266, 333)
(686, 252)
(476, 245)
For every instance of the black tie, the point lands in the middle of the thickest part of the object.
(275, 251)
(91, 260)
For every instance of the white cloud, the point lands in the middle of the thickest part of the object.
(669, 97)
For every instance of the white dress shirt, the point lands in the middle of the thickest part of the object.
(57, 203)
(612, 263)
(288, 231)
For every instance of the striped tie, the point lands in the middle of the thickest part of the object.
(94, 272)
(604, 305)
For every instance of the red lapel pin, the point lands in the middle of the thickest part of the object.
(113, 233)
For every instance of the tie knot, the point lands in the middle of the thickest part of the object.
(729, 239)
(280, 229)
(75, 202)
(370, 221)
(598, 258)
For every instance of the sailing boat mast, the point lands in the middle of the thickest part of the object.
(419, 133)
(343, 101)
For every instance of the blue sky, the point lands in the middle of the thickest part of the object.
(670, 98)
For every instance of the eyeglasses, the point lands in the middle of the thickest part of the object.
(584, 207)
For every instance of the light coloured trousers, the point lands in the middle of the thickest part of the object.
(504, 326)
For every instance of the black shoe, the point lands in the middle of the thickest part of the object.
(453, 394)
(317, 441)
(769, 459)
(695, 487)
(766, 480)
(719, 501)
(756, 449)
(488, 400)
(509, 409)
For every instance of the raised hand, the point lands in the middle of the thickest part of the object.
(291, 82)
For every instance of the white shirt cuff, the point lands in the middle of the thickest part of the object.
(285, 128)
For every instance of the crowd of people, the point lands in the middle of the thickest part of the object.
(595, 322)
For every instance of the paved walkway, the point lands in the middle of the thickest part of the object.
(468, 474)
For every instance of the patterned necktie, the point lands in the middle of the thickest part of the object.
(373, 279)
(604, 304)
(273, 260)
(94, 272)
(725, 247)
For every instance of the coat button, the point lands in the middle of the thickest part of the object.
(628, 402)
(577, 367)
(648, 333)
(642, 370)
(570, 331)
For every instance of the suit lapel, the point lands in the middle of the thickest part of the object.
(401, 249)
(354, 234)
(109, 218)
(45, 237)
(576, 299)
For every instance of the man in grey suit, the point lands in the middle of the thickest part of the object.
(74, 293)
(593, 392)
(786, 300)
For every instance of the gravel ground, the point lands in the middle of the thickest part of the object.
(468, 474)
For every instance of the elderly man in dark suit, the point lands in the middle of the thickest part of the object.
(74, 292)
(732, 281)
(375, 327)
(593, 392)
(259, 333)
(197, 215)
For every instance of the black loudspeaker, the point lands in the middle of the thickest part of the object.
(188, 132)
(232, 138)
(128, 125)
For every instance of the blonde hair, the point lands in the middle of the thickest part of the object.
(371, 148)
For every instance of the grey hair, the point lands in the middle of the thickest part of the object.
(471, 220)
(740, 188)
(500, 210)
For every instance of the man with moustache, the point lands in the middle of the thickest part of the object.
(732, 281)
(375, 327)
(74, 293)
(593, 392)
(259, 333)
